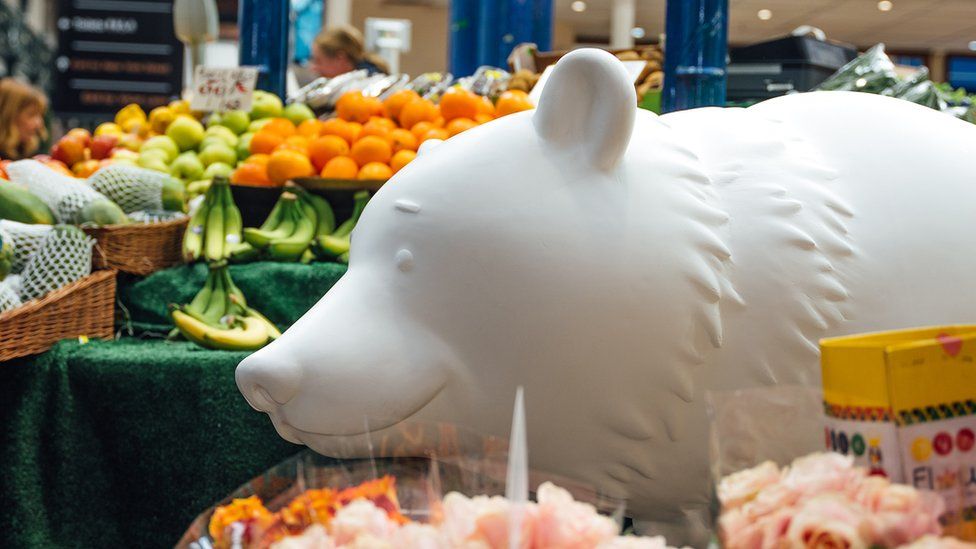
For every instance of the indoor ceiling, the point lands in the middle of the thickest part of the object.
(909, 25)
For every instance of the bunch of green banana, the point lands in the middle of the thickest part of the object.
(218, 317)
(292, 225)
(214, 231)
(336, 244)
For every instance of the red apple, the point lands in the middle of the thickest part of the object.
(70, 149)
(82, 134)
(58, 166)
(85, 168)
(101, 146)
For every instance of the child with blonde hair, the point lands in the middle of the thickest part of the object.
(22, 109)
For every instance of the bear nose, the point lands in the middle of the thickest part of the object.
(267, 383)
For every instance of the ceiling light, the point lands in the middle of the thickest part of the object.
(637, 32)
(765, 15)
(972, 45)
(885, 5)
(578, 6)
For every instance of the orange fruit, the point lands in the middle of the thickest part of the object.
(356, 131)
(287, 164)
(339, 127)
(250, 174)
(265, 142)
(403, 139)
(420, 129)
(396, 101)
(486, 106)
(418, 110)
(439, 122)
(436, 133)
(297, 143)
(259, 159)
(382, 121)
(401, 159)
(325, 148)
(310, 128)
(512, 101)
(371, 149)
(340, 167)
(458, 103)
(280, 126)
(459, 125)
(481, 118)
(375, 170)
(374, 128)
(353, 106)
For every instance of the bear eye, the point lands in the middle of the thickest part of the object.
(404, 260)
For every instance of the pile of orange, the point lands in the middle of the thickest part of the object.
(368, 138)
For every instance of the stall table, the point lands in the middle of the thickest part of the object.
(122, 443)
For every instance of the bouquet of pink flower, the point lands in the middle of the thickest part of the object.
(823, 501)
(483, 522)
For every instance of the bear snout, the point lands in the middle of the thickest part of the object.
(267, 382)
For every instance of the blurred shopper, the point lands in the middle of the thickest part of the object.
(22, 109)
(340, 50)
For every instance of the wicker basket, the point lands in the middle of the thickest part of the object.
(140, 249)
(82, 308)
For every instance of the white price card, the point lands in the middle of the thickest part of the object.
(223, 89)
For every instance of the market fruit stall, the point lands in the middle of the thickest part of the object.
(125, 441)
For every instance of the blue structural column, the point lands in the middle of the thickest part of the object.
(264, 26)
(695, 49)
(483, 32)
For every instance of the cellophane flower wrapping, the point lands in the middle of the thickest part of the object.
(453, 497)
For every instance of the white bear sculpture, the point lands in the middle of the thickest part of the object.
(618, 264)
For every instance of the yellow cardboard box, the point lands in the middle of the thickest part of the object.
(903, 403)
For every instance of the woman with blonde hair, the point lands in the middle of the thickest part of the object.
(22, 109)
(340, 50)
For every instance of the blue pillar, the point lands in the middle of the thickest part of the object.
(463, 41)
(483, 32)
(264, 26)
(695, 48)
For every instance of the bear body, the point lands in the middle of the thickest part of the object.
(618, 265)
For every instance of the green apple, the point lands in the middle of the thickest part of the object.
(120, 154)
(236, 121)
(265, 105)
(214, 119)
(127, 161)
(153, 162)
(187, 166)
(218, 152)
(224, 133)
(211, 140)
(186, 132)
(218, 169)
(298, 113)
(255, 126)
(162, 143)
(244, 145)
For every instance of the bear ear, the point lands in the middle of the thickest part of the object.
(588, 106)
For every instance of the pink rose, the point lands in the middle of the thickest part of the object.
(827, 522)
(634, 542)
(738, 530)
(899, 514)
(565, 523)
(821, 473)
(361, 518)
(739, 488)
(483, 520)
(935, 542)
(419, 536)
(314, 537)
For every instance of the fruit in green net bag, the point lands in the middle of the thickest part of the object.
(18, 204)
(236, 121)
(265, 105)
(6, 258)
(223, 133)
(186, 132)
(298, 113)
(101, 212)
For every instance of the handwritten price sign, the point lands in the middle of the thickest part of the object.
(223, 89)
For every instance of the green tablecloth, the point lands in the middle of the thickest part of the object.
(123, 443)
